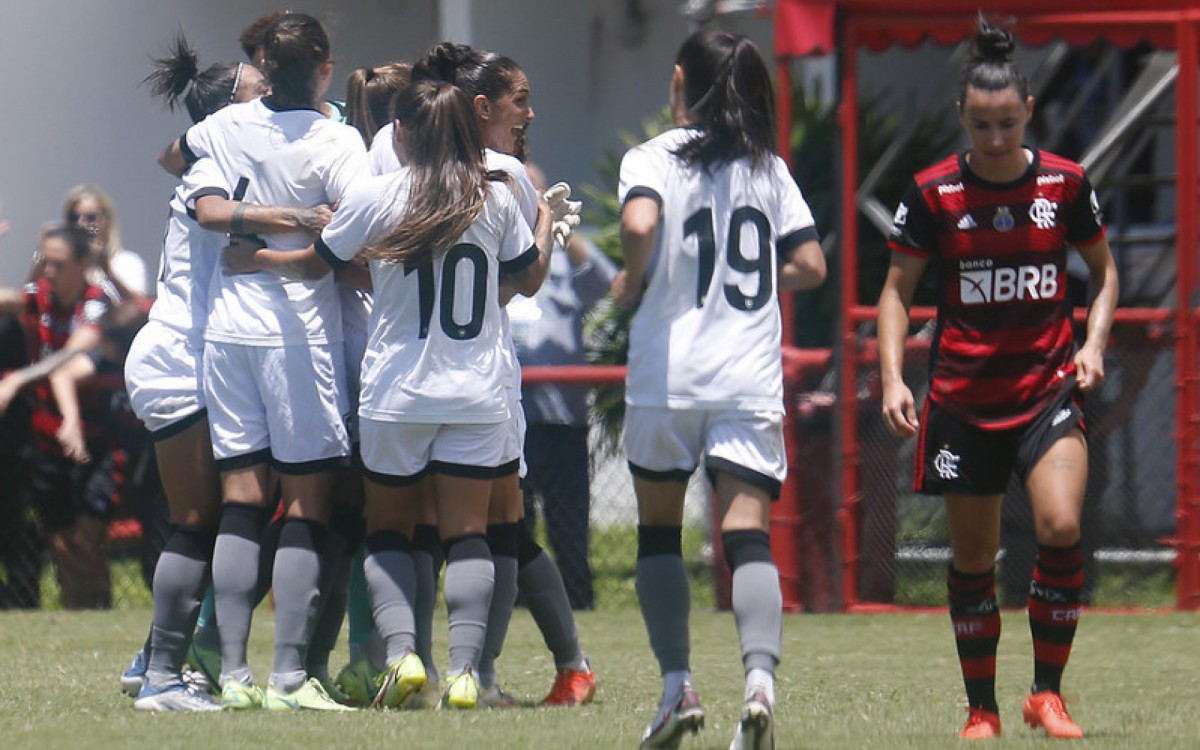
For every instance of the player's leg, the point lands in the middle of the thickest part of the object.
(1056, 485)
(505, 508)
(427, 562)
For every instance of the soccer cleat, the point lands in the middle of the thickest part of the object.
(462, 691)
(333, 691)
(357, 681)
(428, 697)
(675, 717)
(134, 675)
(572, 687)
(238, 696)
(756, 730)
(176, 696)
(310, 696)
(1046, 710)
(402, 678)
(494, 697)
(207, 662)
(981, 725)
(196, 680)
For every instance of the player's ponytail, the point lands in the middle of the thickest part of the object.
(295, 46)
(990, 66)
(178, 76)
(369, 94)
(448, 179)
(728, 96)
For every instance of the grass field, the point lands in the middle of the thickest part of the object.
(848, 681)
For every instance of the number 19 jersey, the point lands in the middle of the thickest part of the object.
(707, 334)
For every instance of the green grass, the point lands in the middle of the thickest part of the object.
(848, 681)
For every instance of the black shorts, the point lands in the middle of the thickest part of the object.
(954, 456)
(62, 489)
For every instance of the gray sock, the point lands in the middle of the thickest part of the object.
(664, 595)
(391, 581)
(758, 608)
(502, 540)
(546, 597)
(470, 578)
(180, 577)
(427, 560)
(335, 590)
(235, 583)
(297, 586)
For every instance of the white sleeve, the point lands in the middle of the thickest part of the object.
(348, 166)
(197, 142)
(642, 174)
(357, 221)
(794, 222)
(516, 238)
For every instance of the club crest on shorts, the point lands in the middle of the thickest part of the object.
(946, 464)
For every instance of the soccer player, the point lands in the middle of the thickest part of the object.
(712, 227)
(164, 375)
(440, 234)
(500, 95)
(273, 364)
(1005, 376)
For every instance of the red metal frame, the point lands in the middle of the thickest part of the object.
(1172, 23)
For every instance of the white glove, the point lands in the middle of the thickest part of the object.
(562, 229)
(556, 197)
(564, 213)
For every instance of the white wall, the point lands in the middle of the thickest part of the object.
(75, 110)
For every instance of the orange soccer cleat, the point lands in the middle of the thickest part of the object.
(1046, 710)
(572, 687)
(981, 725)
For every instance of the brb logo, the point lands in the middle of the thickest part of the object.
(990, 285)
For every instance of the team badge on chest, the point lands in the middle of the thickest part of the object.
(1003, 220)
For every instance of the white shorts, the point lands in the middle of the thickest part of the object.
(164, 379)
(285, 404)
(400, 453)
(515, 434)
(667, 444)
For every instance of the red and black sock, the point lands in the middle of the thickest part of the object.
(1054, 610)
(976, 620)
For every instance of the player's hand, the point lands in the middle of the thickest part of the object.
(70, 437)
(313, 220)
(1089, 368)
(563, 228)
(239, 256)
(899, 410)
(625, 294)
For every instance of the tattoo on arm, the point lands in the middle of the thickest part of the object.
(237, 224)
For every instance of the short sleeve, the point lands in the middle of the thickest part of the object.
(642, 173)
(356, 222)
(516, 238)
(794, 223)
(349, 164)
(1085, 221)
(913, 229)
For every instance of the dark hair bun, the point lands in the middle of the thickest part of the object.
(992, 43)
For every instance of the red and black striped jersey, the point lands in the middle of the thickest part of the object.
(54, 327)
(1004, 345)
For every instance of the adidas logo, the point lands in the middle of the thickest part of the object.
(966, 222)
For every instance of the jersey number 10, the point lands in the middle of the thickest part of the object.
(701, 225)
(426, 292)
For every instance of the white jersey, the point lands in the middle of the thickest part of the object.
(435, 353)
(291, 158)
(382, 154)
(707, 334)
(527, 199)
(189, 257)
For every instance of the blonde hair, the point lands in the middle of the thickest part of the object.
(112, 238)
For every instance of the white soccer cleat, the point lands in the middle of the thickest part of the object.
(174, 697)
(756, 730)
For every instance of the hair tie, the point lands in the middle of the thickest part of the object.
(237, 79)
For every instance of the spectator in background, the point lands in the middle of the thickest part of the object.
(73, 488)
(548, 330)
(120, 273)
